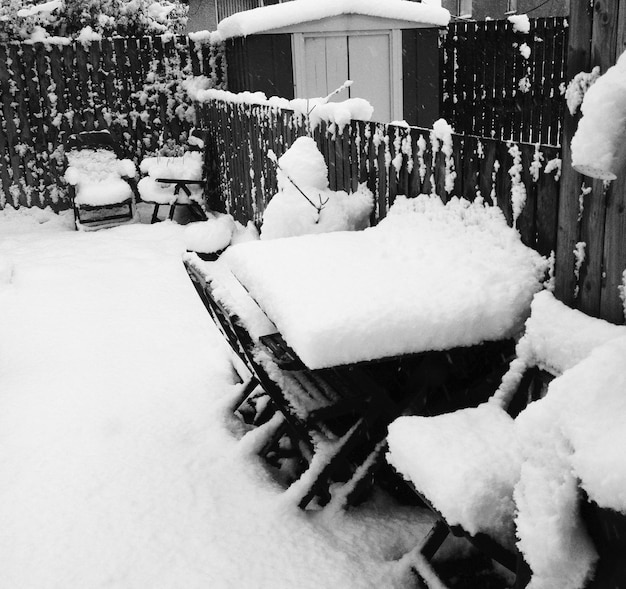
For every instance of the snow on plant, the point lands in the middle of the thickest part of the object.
(553, 165)
(584, 191)
(518, 190)
(577, 88)
(598, 147)
(494, 177)
(535, 166)
(442, 132)
(58, 19)
(579, 260)
(524, 49)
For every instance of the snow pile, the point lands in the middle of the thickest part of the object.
(212, 235)
(429, 277)
(302, 168)
(598, 146)
(185, 167)
(97, 175)
(199, 88)
(275, 16)
(520, 22)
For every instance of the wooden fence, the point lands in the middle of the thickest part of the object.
(490, 89)
(392, 160)
(131, 86)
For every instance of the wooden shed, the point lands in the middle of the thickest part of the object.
(308, 48)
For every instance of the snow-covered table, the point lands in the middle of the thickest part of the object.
(429, 278)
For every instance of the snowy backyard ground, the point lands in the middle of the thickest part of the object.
(120, 464)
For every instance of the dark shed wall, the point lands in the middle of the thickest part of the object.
(261, 63)
(420, 70)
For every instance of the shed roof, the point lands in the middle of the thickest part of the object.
(292, 16)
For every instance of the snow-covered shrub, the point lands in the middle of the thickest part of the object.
(598, 147)
(23, 19)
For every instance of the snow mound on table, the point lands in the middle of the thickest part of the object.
(97, 175)
(302, 167)
(465, 463)
(429, 277)
(598, 148)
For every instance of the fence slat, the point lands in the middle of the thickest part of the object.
(481, 68)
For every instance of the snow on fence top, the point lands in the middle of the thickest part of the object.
(200, 89)
(266, 18)
(428, 277)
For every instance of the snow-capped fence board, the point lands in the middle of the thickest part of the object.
(489, 87)
(591, 257)
(391, 159)
(130, 86)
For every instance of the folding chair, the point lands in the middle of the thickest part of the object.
(176, 181)
(101, 183)
(442, 457)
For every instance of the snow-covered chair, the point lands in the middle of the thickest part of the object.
(467, 465)
(102, 189)
(175, 181)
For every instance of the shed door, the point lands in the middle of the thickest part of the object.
(325, 61)
(370, 69)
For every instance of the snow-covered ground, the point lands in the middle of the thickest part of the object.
(120, 463)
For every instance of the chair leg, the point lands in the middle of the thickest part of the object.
(155, 214)
(172, 209)
(435, 538)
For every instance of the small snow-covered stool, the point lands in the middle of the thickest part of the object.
(101, 184)
(173, 181)
(467, 465)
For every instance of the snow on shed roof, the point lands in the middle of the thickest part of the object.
(277, 16)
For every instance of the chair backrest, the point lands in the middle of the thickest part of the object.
(556, 338)
(93, 140)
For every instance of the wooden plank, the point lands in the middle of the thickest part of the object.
(578, 59)
(526, 220)
(603, 49)
(546, 221)
(611, 305)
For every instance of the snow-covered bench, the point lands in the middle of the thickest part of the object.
(355, 328)
(102, 188)
(492, 477)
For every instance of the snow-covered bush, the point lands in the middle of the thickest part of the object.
(598, 147)
(23, 19)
